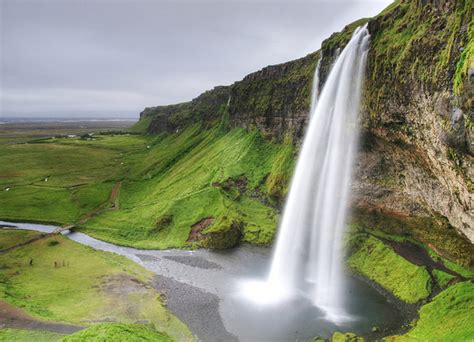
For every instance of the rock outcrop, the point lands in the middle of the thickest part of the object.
(415, 169)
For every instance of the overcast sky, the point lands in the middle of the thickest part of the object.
(112, 58)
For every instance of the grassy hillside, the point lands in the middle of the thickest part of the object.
(448, 317)
(56, 279)
(168, 183)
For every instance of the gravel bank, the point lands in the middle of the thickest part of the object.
(196, 308)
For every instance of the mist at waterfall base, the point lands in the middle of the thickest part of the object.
(306, 285)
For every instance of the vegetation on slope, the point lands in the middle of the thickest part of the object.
(445, 317)
(378, 262)
(106, 332)
(219, 184)
(169, 183)
(413, 43)
(53, 279)
(185, 178)
(448, 317)
(434, 231)
(207, 107)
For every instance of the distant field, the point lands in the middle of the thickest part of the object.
(19, 131)
(165, 184)
(59, 181)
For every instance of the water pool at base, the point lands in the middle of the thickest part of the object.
(221, 274)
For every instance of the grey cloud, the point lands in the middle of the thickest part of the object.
(103, 56)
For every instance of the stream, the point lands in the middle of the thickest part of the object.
(203, 289)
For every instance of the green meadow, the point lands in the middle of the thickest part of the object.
(55, 279)
(235, 177)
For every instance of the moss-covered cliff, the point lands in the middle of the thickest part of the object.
(415, 174)
(417, 114)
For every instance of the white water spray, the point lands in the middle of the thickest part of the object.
(307, 256)
(315, 90)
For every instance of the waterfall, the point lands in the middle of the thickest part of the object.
(315, 90)
(307, 256)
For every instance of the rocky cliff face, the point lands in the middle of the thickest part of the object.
(415, 169)
(207, 107)
(418, 117)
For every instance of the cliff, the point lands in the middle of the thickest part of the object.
(414, 174)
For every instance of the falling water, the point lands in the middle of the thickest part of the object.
(307, 257)
(315, 90)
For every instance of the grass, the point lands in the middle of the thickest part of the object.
(181, 176)
(447, 318)
(12, 237)
(58, 181)
(73, 291)
(20, 335)
(380, 263)
(106, 332)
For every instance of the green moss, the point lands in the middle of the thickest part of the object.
(278, 179)
(19, 335)
(466, 60)
(106, 332)
(442, 278)
(431, 231)
(413, 44)
(447, 318)
(357, 235)
(346, 337)
(381, 264)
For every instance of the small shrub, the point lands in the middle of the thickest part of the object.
(53, 243)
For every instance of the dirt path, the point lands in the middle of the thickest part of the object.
(113, 201)
(12, 317)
